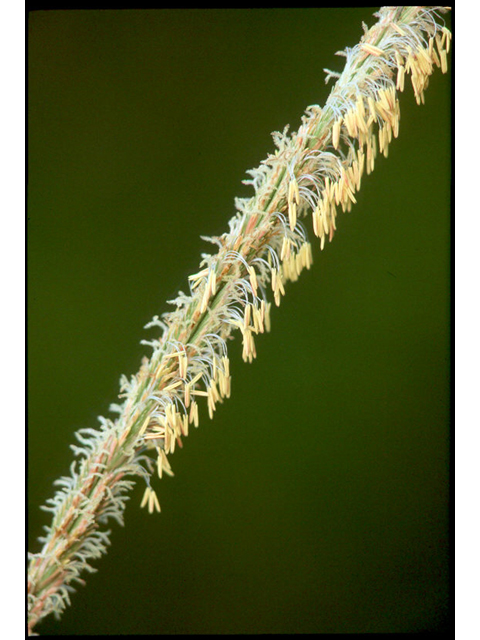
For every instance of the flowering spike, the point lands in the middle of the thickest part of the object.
(265, 246)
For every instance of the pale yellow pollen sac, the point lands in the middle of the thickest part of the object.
(170, 415)
(307, 255)
(372, 49)
(185, 424)
(296, 266)
(210, 288)
(385, 143)
(299, 262)
(396, 122)
(205, 298)
(416, 84)
(389, 131)
(274, 279)
(329, 190)
(370, 159)
(214, 367)
(146, 495)
(317, 220)
(361, 167)
(443, 61)
(354, 176)
(374, 150)
(226, 366)
(424, 61)
(325, 226)
(293, 201)
(248, 346)
(253, 279)
(336, 133)
(221, 383)
(172, 441)
(322, 202)
(166, 465)
(215, 394)
(280, 284)
(153, 502)
(360, 106)
(410, 63)
(198, 277)
(448, 37)
(263, 308)
(224, 381)
(150, 497)
(363, 135)
(441, 40)
(338, 190)
(174, 354)
(245, 345)
(401, 78)
(351, 124)
(373, 154)
(193, 416)
(392, 98)
(144, 426)
(212, 282)
(350, 182)
(333, 215)
(159, 462)
(254, 326)
(188, 387)
(277, 297)
(258, 320)
(286, 247)
(350, 195)
(268, 325)
(371, 106)
(383, 105)
(172, 386)
(198, 392)
(246, 316)
(363, 130)
(156, 435)
(182, 364)
(292, 215)
(179, 425)
(211, 403)
(253, 351)
(286, 268)
(381, 138)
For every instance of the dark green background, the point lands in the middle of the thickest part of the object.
(317, 498)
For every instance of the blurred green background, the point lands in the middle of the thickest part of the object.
(317, 498)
